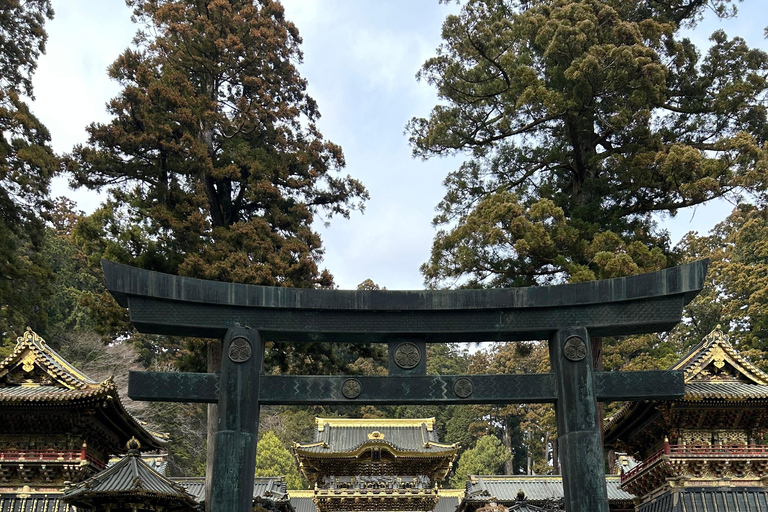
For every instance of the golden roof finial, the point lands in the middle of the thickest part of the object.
(133, 444)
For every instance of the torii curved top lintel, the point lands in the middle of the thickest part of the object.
(168, 304)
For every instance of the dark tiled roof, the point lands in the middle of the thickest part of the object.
(536, 488)
(129, 476)
(48, 394)
(341, 435)
(158, 462)
(307, 505)
(272, 488)
(447, 504)
(525, 507)
(724, 390)
(33, 503)
(194, 486)
(709, 500)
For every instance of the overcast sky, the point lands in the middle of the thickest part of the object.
(360, 57)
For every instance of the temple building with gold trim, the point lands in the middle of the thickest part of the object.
(706, 451)
(58, 425)
(375, 464)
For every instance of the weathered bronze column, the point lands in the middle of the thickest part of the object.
(578, 431)
(237, 434)
(407, 320)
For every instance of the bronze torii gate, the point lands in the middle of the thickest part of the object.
(566, 315)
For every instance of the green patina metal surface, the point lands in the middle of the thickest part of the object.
(566, 315)
(404, 390)
(165, 304)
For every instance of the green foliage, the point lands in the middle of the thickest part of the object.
(290, 423)
(459, 426)
(185, 425)
(580, 120)
(213, 163)
(486, 458)
(27, 164)
(527, 431)
(733, 297)
(74, 280)
(737, 283)
(22, 40)
(274, 459)
(447, 359)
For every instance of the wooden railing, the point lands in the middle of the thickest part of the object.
(732, 450)
(49, 456)
(699, 451)
(644, 464)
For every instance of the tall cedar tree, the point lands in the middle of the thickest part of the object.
(213, 163)
(581, 119)
(27, 164)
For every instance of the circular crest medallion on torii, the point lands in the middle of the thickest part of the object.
(240, 350)
(407, 355)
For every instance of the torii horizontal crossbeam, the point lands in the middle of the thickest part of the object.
(166, 304)
(404, 390)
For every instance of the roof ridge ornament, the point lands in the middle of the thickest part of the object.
(30, 336)
(716, 350)
(133, 445)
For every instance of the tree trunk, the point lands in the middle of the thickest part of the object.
(214, 366)
(611, 461)
(509, 465)
(555, 457)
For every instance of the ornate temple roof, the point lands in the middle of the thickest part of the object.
(715, 360)
(271, 488)
(35, 375)
(714, 370)
(130, 479)
(33, 502)
(41, 368)
(336, 437)
(721, 499)
(537, 489)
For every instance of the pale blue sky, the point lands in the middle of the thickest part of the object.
(360, 57)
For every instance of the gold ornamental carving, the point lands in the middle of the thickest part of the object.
(28, 362)
(718, 358)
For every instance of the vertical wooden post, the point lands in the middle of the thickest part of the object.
(235, 459)
(581, 451)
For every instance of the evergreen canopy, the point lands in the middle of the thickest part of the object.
(581, 119)
(212, 160)
(27, 164)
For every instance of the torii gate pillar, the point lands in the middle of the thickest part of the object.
(566, 315)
